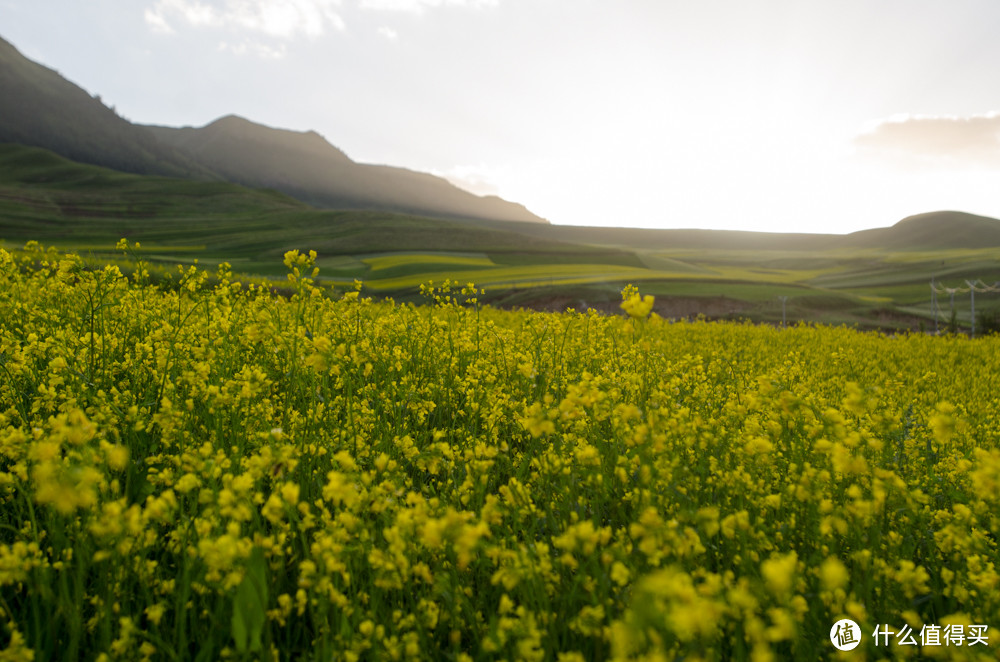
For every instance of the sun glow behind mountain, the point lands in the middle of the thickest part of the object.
(769, 115)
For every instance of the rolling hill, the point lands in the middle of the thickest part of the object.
(872, 278)
(931, 231)
(48, 198)
(38, 184)
(40, 108)
(305, 166)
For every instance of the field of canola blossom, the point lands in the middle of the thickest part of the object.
(203, 472)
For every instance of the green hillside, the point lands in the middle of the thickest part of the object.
(872, 279)
(50, 199)
(39, 107)
(307, 167)
(930, 231)
(933, 231)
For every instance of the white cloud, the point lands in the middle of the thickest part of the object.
(157, 22)
(283, 19)
(943, 141)
(190, 11)
(419, 6)
(250, 47)
(388, 33)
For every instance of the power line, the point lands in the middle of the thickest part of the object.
(971, 288)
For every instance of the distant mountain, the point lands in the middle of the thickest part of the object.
(48, 198)
(931, 231)
(40, 108)
(305, 166)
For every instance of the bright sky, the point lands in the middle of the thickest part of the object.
(779, 115)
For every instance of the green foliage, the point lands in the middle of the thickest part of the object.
(988, 322)
(952, 327)
(250, 605)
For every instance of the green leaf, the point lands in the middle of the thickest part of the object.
(250, 605)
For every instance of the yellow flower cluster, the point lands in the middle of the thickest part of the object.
(220, 473)
(634, 305)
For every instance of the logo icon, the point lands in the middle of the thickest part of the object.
(845, 634)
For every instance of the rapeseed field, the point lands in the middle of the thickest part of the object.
(204, 472)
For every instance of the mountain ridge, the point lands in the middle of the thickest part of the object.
(306, 166)
(934, 230)
(35, 98)
(41, 108)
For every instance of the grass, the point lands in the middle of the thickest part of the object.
(394, 260)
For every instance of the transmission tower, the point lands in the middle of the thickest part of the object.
(972, 286)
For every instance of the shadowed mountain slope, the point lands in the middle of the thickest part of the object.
(40, 108)
(306, 166)
(48, 198)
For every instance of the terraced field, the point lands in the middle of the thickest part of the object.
(874, 279)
